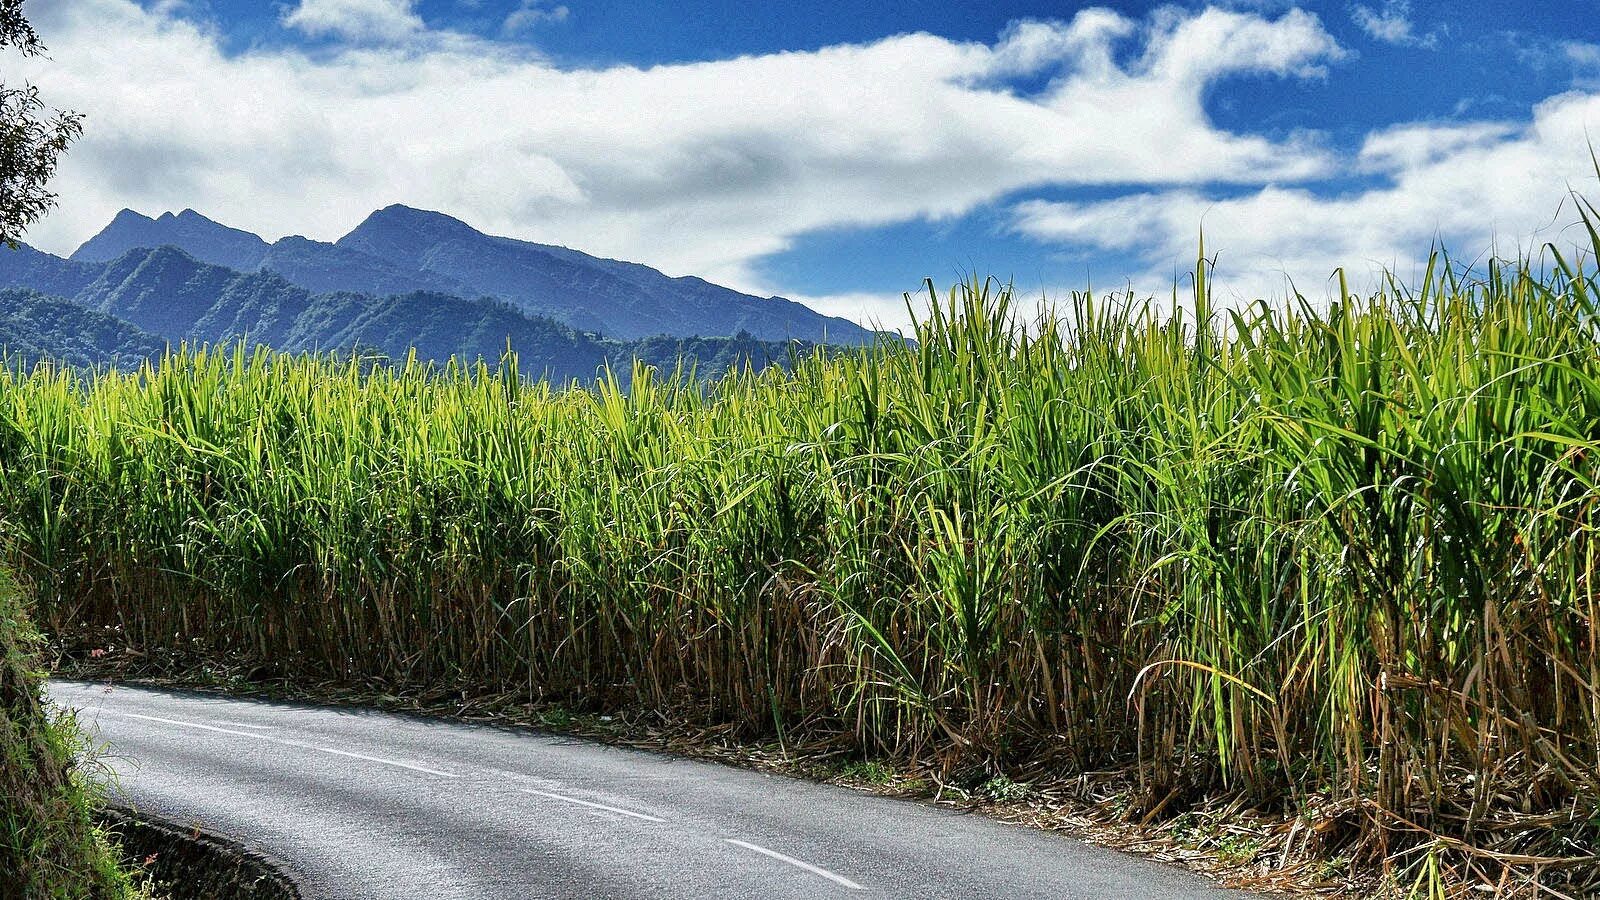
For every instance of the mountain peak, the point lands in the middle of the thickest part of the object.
(400, 215)
(401, 233)
(402, 211)
(188, 215)
(130, 217)
(620, 299)
(198, 236)
(163, 253)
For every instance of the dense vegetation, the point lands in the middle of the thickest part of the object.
(50, 848)
(35, 328)
(132, 308)
(1335, 561)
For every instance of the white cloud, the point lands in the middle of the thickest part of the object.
(885, 311)
(1584, 58)
(357, 20)
(530, 14)
(1409, 147)
(899, 312)
(1580, 53)
(698, 168)
(1392, 24)
(1478, 188)
(1550, 56)
(705, 168)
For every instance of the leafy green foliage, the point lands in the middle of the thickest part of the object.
(871, 771)
(35, 328)
(31, 142)
(50, 848)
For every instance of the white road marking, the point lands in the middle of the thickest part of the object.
(248, 734)
(288, 743)
(246, 725)
(377, 759)
(799, 864)
(565, 799)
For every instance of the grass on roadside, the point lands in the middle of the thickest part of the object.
(50, 846)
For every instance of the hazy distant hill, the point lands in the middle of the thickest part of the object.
(620, 299)
(131, 307)
(404, 281)
(168, 292)
(33, 269)
(34, 327)
(323, 267)
(399, 250)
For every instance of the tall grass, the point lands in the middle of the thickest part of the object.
(1339, 561)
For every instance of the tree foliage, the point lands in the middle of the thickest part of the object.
(32, 137)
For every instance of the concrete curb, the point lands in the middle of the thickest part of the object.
(190, 863)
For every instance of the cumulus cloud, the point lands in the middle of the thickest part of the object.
(358, 20)
(1392, 24)
(696, 168)
(1474, 188)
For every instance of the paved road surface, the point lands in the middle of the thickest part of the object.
(362, 804)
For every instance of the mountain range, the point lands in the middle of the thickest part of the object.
(400, 250)
(404, 281)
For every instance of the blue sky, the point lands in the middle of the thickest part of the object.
(839, 152)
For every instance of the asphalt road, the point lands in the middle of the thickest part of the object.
(363, 804)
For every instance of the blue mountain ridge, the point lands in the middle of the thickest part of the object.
(134, 307)
(197, 235)
(399, 249)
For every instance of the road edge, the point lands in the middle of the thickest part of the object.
(195, 863)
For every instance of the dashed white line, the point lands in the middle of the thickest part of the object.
(575, 800)
(797, 863)
(773, 854)
(377, 759)
(248, 734)
(288, 743)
